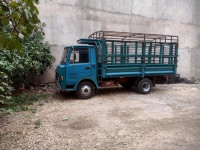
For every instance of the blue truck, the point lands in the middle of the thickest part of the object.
(109, 58)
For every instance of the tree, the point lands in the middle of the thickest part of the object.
(18, 18)
(22, 50)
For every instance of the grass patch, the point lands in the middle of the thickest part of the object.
(40, 104)
(33, 109)
(21, 103)
(37, 124)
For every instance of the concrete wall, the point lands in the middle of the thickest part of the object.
(69, 20)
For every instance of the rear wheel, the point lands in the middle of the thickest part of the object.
(85, 90)
(144, 86)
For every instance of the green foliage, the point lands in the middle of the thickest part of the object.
(22, 51)
(20, 103)
(18, 18)
(5, 89)
(34, 58)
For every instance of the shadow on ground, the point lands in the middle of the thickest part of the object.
(101, 91)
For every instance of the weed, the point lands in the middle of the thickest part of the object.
(40, 104)
(23, 108)
(21, 103)
(4, 111)
(42, 96)
(37, 124)
(33, 110)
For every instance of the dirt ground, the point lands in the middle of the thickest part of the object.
(167, 118)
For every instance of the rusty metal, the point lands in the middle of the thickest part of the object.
(108, 84)
(133, 37)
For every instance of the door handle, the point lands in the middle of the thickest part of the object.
(87, 67)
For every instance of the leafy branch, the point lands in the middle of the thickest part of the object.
(18, 18)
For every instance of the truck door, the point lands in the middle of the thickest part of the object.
(78, 65)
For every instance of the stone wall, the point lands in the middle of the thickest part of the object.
(69, 20)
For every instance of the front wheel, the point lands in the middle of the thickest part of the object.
(144, 86)
(85, 90)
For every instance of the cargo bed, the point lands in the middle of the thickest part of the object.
(124, 54)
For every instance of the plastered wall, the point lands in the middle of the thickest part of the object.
(69, 20)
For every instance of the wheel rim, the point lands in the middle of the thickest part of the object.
(86, 90)
(146, 86)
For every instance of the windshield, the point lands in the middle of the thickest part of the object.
(64, 56)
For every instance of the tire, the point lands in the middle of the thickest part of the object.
(144, 86)
(85, 90)
(127, 86)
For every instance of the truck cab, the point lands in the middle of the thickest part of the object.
(77, 66)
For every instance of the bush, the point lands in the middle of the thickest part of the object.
(22, 51)
(5, 89)
(34, 58)
(16, 65)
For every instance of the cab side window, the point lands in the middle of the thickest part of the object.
(79, 55)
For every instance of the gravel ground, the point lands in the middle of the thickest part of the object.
(167, 118)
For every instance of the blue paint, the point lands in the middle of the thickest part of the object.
(73, 73)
